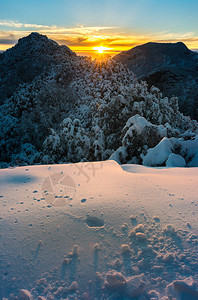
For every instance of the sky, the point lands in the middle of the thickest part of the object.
(116, 25)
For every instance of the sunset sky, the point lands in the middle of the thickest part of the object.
(116, 25)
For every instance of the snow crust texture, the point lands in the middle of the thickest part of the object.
(134, 235)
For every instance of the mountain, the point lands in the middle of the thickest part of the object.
(171, 67)
(66, 108)
(30, 57)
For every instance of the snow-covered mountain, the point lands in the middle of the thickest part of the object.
(31, 56)
(171, 67)
(105, 228)
(84, 110)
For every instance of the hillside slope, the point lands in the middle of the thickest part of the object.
(84, 110)
(29, 58)
(173, 68)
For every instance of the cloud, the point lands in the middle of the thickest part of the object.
(72, 41)
(80, 29)
(85, 38)
(7, 41)
(13, 24)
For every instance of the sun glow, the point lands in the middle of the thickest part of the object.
(101, 49)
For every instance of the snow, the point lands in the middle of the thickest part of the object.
(25, 295)
(119, 154)
(185, 287)
(175, 160)
(194, 161)
(101, 107)
(138, 122)
(159, 154)
(136, 235)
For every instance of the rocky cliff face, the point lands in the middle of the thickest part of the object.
(173, 68)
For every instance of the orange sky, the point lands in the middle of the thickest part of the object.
(83, 39)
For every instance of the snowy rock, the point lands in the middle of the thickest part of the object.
(25, 295)
(175, 160)
(135, 286)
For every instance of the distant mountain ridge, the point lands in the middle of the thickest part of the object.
(172, 67)
(150, 56)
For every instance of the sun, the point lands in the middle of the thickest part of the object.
(100, 49)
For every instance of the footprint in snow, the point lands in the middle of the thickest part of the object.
(93, 221)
